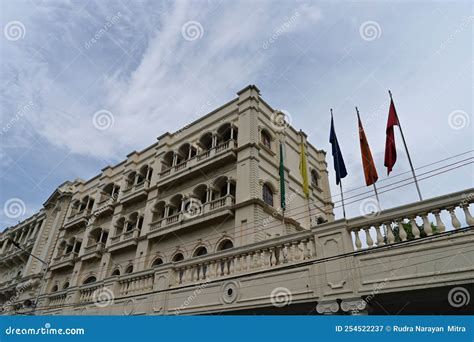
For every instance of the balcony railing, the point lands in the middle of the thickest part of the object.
(285, 251)
(66, 260)
(135, 191)
(399, 224)
(78, 218)
(94, 251)
(136, 283)
(215, 205)
(194, 161)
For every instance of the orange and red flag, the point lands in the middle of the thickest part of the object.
(370, 172)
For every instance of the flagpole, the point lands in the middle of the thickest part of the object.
(342, 199)
(406, 149)
(377, 196)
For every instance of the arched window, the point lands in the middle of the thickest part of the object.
(200, 251)
(178, 257)
(116, 272)
(267, 194)
(315, 177)
(129, 269)
(266, 138)
(156, 262)
(90, 280)
(66, 285)
(226, 244)
(55, 288)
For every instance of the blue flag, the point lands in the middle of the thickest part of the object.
(339, 165)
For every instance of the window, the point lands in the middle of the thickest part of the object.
(157, 262)
(315, 178)
(178, 257)
(226, 244)
(66, 285)
(55, 288)
(267, 194)
(266, 139)
(116, 272)
(90, 280)
(200, 251)
(129, 269)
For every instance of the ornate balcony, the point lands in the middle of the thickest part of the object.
(79, 218)
(106, 207)
(220, 154)
(136, 192)
(208, 211)
(124, 240)
(64, 261)
(93, 252)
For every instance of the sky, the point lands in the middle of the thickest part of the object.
(84, 83)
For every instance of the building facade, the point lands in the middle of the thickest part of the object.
(209, 187)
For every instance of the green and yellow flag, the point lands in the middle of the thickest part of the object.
(304, 169)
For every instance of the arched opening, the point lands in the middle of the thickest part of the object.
(158, 211)
(90, 280)
(167, 161)
(157, 262)
(130, 180)
(66, 285)
(186, 151)
(266, 139)
(55, 288)
(315, 178)
(200, 193)
(178, 257)
(225, 244)
(200, 251)
(175, 204)
(116, 272)
(110, 191)
(132, 221)
(224, 133)
(119, 226)
(206, 141)
(267, 194)
(129, 269)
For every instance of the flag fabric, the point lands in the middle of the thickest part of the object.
(282, 179)
(390, 149)
(304, 169)
(370, 172)
(339, 165)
